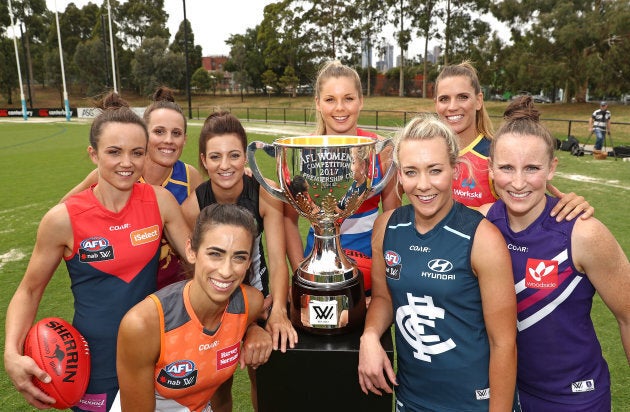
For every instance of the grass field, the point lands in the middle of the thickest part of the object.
(42, 161)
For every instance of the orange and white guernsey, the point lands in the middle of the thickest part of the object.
(194, 361)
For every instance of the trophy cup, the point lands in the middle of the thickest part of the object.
(325, 178)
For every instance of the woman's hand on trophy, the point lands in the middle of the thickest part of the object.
(373, 361)
(281, 329)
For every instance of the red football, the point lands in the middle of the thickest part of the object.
(59, 349)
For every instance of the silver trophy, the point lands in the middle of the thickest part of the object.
(325, 178)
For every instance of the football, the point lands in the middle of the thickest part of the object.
(364, 263)
(60, 350)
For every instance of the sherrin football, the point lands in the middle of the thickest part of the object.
(60, 350)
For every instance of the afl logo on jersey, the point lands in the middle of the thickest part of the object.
(392, 258)
(440, 265)
(393, 265)
(178, 375)
(95, 249)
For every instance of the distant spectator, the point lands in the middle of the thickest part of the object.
(600, 124)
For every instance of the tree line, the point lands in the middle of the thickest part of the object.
(575, 45)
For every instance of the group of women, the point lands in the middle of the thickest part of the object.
(459, 322)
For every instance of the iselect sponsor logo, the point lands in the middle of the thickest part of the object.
(145, 235)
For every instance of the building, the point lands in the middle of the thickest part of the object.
(216, 64)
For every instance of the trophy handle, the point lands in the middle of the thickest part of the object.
(380, 145)
(251, 158)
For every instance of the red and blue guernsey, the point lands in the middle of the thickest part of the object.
(474, 190)
(559, 357)
(356, 229)
(113, 266)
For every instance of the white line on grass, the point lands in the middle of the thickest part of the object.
(594, 180)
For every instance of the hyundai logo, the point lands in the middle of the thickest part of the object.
(440, 265)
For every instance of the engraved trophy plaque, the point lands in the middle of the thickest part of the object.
(325, 178)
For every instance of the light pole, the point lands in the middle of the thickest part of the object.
(187, 64)
(17, 60)
(111, 45)
(63, 73)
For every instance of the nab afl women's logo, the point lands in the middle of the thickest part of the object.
(178, 375)
(95, 249)
(392, 258)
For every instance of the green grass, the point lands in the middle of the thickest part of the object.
(42, 161)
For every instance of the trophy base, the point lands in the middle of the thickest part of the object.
(328, 309)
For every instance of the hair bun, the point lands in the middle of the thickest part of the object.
(521, 108)
(112, 101)
(163, 93)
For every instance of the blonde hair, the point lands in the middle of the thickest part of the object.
(333, 69)
(466, 69)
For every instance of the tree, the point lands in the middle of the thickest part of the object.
(140, 19)
(369, 17)
(155, 65)
(91, 76)
(35, 17)
(8, 70)
(200, 80)
(270, 80)
(194, 52)
(289, 81)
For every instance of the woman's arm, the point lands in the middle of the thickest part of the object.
(54, 237)
(492, 264)
(194, 178)
(391, 194)
(175, 227)
(295, 246)
(257, 342)
(278, 323)
(597, 253)
(190, 209)
(138, 351)
(375, 368)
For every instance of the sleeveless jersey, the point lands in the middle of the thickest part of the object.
(194, 361)
(258, 275)
(559, 356)
(441, 340)
(178, 183)
(476, 189)
(113, 266)
(356, 229)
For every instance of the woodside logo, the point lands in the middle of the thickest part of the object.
(145, 235)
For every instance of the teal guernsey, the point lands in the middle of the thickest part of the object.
(441, 340)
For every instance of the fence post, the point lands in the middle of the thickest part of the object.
(266, 116)
(304, 116)
(248, 114)
(376, 119)
(284, 115)
(569, 131)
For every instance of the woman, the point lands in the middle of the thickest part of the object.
(557, 267)
(339, 100)
(197, 323)
(459, 104)
(167, 125)
(442, 273)
(222, 148)
(109, 236)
